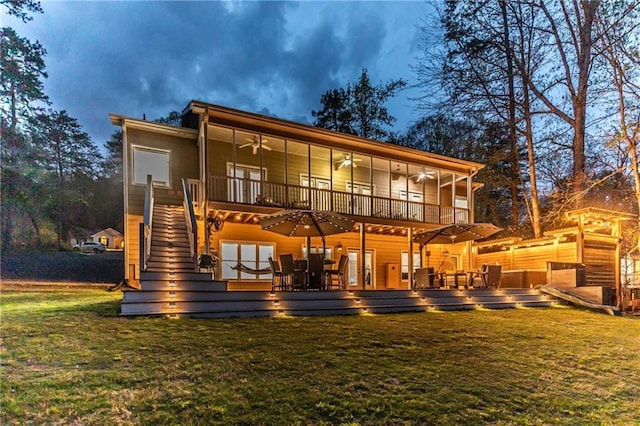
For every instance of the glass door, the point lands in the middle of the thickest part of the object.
(354, 276)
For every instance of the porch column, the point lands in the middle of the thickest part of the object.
(617, 232)
(363, 266)
(204, 168)
(410, 236)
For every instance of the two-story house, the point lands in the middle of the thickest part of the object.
(230, 168)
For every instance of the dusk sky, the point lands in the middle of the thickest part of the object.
(135, 58)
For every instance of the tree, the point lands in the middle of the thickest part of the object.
(20, 8)
(21, 86)
(335, 114)
(21, 90)
(359, 109)
(70, 158)
(173, 119)
(571, 28)
(108, 203)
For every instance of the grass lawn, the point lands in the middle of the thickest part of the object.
(67, 358)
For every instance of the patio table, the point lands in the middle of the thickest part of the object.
(445, 275)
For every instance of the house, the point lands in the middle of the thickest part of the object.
(110, 238)
(238, 166)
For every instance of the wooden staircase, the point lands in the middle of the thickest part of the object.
(170, 267)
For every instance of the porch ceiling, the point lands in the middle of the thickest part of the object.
(253, 218)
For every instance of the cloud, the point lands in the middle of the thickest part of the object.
(136, 58)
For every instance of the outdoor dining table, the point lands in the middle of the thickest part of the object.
(455, 275)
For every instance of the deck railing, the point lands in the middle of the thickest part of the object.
(190, 218)
(255, 192)
(146, 226)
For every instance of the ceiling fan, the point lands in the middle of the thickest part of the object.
(255, 144)
(420, 176)
(347, 161)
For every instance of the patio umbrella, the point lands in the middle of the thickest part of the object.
(455, 233)
(307, 223)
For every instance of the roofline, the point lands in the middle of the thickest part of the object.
(135, 123)
(365, 145)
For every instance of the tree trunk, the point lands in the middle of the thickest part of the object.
(513, 137)
(535, 203)
(583, 51)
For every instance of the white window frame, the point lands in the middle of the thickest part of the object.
(142, 180)
(238, 275)
(404, 264)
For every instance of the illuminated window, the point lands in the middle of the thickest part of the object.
(252, 256)
(404, 265)
(150, 161)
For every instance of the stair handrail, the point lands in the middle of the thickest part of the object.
(146, 226)
(190, 219)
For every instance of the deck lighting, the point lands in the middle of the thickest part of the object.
(172, 305)
(357, 301)
(172, 283)
(276, 303)
(423, 299)
(339, 248)
(172, 294)
(272, 294)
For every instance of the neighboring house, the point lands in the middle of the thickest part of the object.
(242, 166)
(110, 238)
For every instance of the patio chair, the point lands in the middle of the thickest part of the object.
(424, 277)
(339, 274)
(316, 266)
(288, 269)
(206, 263)
(492, 277)
(480, 273)
(277, 278)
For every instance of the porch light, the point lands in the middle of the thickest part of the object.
(339, 247)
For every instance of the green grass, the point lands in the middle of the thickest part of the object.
(67, 358)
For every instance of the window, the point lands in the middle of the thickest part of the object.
(254, 256)
(404, 267)
(150, 161)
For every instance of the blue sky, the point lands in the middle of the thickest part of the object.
(135, 58)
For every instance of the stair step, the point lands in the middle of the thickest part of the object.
(174, 277)
(180, 287)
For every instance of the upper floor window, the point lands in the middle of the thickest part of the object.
(151, 161)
